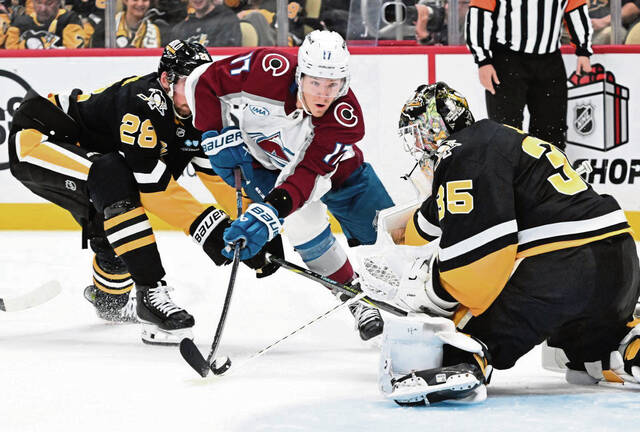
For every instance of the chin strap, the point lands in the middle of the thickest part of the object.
(302, 102)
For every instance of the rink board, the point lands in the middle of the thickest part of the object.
(382, 78)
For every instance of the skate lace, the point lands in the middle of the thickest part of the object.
(363, 313)
(159, 299)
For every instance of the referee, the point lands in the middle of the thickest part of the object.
(516, 46)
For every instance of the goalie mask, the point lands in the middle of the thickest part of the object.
(434, 112)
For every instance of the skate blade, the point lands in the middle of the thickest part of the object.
(153, 335)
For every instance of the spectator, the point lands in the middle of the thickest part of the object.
(49, 26)
(135, 28)
(263, 20)
(600, 14)
(91, 13)
(5, 20)
(210, 25)
(523, 66)
(633, 37)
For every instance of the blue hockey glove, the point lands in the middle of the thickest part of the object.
(255, 227)
(226, 150)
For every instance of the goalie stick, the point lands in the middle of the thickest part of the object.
(188, 348)
(33, 298)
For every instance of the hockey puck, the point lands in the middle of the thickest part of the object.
(221, 365)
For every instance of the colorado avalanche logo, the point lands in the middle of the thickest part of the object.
(273, 146)
(276, 64)
(345, 114)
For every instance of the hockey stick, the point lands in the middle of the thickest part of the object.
(348, 290)
(271, 346)
(188, 348)
(33, 298)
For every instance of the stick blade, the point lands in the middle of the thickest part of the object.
(33, 298)
(194, 357)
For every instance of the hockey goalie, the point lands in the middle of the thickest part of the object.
(517, 249)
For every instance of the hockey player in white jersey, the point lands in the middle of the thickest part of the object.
(293, 125)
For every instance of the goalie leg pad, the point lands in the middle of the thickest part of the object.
(425, 360)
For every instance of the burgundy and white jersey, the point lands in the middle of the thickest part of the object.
(257, 92)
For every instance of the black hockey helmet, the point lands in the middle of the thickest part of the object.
(180, 58)
(434, 112)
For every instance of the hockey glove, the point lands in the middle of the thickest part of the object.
(259, 262)
(255, 227)
(207, 231)
(226, 150)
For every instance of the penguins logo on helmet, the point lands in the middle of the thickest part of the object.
(276, 64)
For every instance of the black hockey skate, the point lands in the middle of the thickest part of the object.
(119, 308)
(368, 320)
(165, 322)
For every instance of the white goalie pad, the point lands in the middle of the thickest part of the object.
(415, 344)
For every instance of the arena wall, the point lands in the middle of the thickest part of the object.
(603, 125)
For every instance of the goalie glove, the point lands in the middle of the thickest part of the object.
(410, 288)
(416, 292)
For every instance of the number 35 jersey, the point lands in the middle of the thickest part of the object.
(500, 195)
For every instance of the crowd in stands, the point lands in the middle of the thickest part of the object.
(38, 24)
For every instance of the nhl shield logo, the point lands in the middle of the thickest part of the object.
(584, 119)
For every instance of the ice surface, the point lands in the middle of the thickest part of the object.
(62, 369)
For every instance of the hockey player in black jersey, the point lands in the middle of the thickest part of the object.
(111, 156)
(522, 250)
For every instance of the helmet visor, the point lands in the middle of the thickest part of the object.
(322, 87)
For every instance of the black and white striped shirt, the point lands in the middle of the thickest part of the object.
(526, 26)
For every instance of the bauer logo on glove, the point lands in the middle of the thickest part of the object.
(212, 143)
(257, 226)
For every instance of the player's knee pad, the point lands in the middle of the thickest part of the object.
(110, 273)
(111, 181)
(207, 231)
(425, 360)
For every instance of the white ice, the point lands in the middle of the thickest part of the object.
(63, 369)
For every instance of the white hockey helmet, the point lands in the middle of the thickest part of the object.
(324, 54)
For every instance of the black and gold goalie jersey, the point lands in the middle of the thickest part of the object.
(65, 30)
(135, 117)
(500, 195)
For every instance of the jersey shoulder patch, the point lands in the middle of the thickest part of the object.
(275, 64)
(344, 117)
(155, 99)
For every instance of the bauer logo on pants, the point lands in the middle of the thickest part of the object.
(12, 90)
